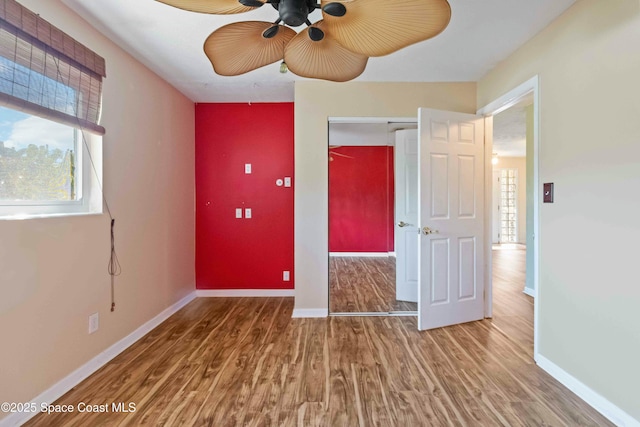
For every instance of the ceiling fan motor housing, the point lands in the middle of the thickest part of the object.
(294, 12)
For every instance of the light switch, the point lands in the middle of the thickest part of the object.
(548, 192)
(239, 213)
(287, 181)
(247, 213)
(247, 168)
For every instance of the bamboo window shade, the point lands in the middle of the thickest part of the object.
(47, 73)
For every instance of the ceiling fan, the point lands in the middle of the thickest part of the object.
(335, 48)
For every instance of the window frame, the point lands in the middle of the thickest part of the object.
(89, 163)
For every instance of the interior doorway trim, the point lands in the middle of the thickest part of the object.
(358, 120)
(365, 120)
(498, 105)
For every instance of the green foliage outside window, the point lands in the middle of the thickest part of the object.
(36, 173)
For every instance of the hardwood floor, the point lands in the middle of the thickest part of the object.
(362, 285)
(246, 362)
(512, 308)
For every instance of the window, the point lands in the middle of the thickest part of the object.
(508, 206)
(50, 99)
(42, 167)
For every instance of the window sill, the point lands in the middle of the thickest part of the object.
(19, 217)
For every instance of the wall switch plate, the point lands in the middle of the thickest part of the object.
(247, 213)
(286, 276)
(247, 168)
(287, 181)
(94, 322)
(238, 212)
(548, 192)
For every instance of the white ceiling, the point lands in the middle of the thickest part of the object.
(169, 41)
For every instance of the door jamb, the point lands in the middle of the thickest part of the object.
(498, 105)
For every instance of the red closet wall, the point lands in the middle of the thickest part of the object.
(361, 199)
(244, 253)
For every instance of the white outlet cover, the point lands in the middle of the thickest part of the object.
(247, 168)
(238, 212)
(247, 213)
(287, 181)
(286, 276)
(94, 322)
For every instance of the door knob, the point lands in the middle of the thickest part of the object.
(403, 224)
(427, 230)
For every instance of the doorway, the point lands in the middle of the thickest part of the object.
(512, 220)
(363, 168)
(512, 301)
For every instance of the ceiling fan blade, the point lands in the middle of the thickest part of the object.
(380, 27)
(216, 7)
(241, 47)
(316, 54)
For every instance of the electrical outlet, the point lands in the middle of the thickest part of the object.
(238, 212)
(287, 181)
(247, 213)
(285, 276)
(247, 168)
(94, 322)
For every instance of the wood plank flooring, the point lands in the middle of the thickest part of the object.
(246, 362)
(363, 285)
(512, 308)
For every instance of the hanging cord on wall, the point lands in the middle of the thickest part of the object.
(113, 269)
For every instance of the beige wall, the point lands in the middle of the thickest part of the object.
(589, 66)
(519, 164)
(53, 272)
(315, 102)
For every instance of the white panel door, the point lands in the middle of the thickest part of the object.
(451, 211)
(406, 229)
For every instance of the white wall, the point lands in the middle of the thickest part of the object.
(588, 62)
(53, 271)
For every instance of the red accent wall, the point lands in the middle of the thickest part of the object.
(361, 199)
(244, 253)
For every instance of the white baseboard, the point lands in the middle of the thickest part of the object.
(392, 254)
(360, 254)
(235, 293)
(76, 377)
(302, 313)
(598, 402)
(530, 292)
